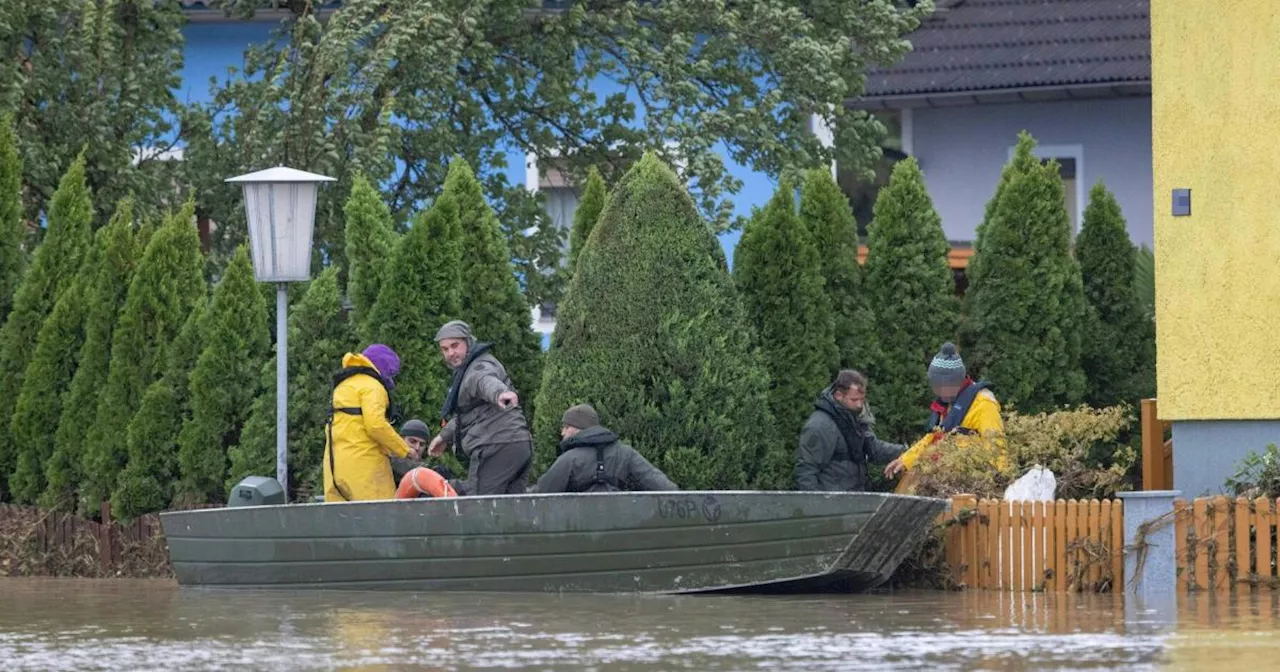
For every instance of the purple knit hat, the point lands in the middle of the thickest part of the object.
(385, 360)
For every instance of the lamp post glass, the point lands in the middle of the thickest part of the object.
(280, 206)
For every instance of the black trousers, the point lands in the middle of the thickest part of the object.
(498, 469)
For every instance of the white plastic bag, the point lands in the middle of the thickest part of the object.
(1037, 485)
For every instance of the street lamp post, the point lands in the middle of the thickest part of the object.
(280, 204)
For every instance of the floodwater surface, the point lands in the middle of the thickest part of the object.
(71, 624)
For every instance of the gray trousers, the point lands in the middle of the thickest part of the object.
(498, 469)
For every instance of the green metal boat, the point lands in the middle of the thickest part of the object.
(631, 542)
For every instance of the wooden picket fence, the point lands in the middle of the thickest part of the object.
(1062, 546)
(1223, 543)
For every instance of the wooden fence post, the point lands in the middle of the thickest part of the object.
(1153, 467)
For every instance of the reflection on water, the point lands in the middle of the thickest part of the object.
(57, 624)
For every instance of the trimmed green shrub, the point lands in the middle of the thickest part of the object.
(421, 291)
(1118, 354)
(319, 335)
(779, 274)
(12, 231)
(910, 285)
(594, 195)
(224, 382)
(1026, 297)
(147, 483)
(48, 377)
(370, 238)
(57, 261)
(651, 332)
(162, 293)
(79, 407)
(491, 300)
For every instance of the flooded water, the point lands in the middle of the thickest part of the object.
(66, 624)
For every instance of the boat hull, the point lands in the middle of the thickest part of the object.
(646, 542)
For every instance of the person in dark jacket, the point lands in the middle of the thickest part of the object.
(483, 415)
(417, 434)
(592, 459)
(837, 441)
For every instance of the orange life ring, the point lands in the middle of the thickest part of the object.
(424, 481)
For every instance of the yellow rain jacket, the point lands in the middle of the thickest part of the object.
(982, 421)
(362, 444)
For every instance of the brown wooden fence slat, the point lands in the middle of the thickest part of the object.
(1263, 520)
(993, 544)
(1060, 571)
(1181, 515)
(1203, 529)
(1222, 543)
(1117, 546)
(1243, 559)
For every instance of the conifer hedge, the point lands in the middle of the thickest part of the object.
(12, 231)
(909, 283)
(420, 292)
(1118, 353)
(825, 211)
(224, 382)
(651, 332)
(1026, 307)
(370, 238)
(56, 263)
(779, 274)
(590, 205)
(164, 289)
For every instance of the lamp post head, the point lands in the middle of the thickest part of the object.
(280, 204)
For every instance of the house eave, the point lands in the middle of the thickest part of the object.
(1025, 94)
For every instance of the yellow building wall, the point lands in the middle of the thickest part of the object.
(1216, 131)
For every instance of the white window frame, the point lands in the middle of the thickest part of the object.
(1075, 152)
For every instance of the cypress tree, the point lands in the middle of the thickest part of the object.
(420, 292)
(48, 378)
(590, 206)
(147, 482)
(319, 334)
(1026, 303)
(224, 382)
(909, 283)
(491, 301)
(12, 231)
(778, 271)
(826, 214)
(370, 238)
(57, 261)
(105, 298)
(1119, 339)
(166, 285)
(652, 333)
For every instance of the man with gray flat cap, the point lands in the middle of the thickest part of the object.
(482, 417)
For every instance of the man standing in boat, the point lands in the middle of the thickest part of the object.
(592, 459)
(837, 441)
(963, 407)
(482, 417)
(359, 437)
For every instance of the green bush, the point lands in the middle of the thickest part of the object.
(1026, 297)
(491, 301)
(779, 274)
(590, 205)
(12, 230)
(910, 286)
(1118, 353)
(147, 482)
(651, 332)
(319, 335)
(224, 382)
(104, 299)
(421, 291)
(165, 286)
(825, 212)
(48, 376)
(370, 238)
(1257, 475)
(57, 261)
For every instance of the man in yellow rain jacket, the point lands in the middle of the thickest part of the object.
(359, 438)
(963, 407)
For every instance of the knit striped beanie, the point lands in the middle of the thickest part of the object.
(947, 369)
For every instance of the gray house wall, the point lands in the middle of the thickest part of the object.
(962, 149)
(1207, 451)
